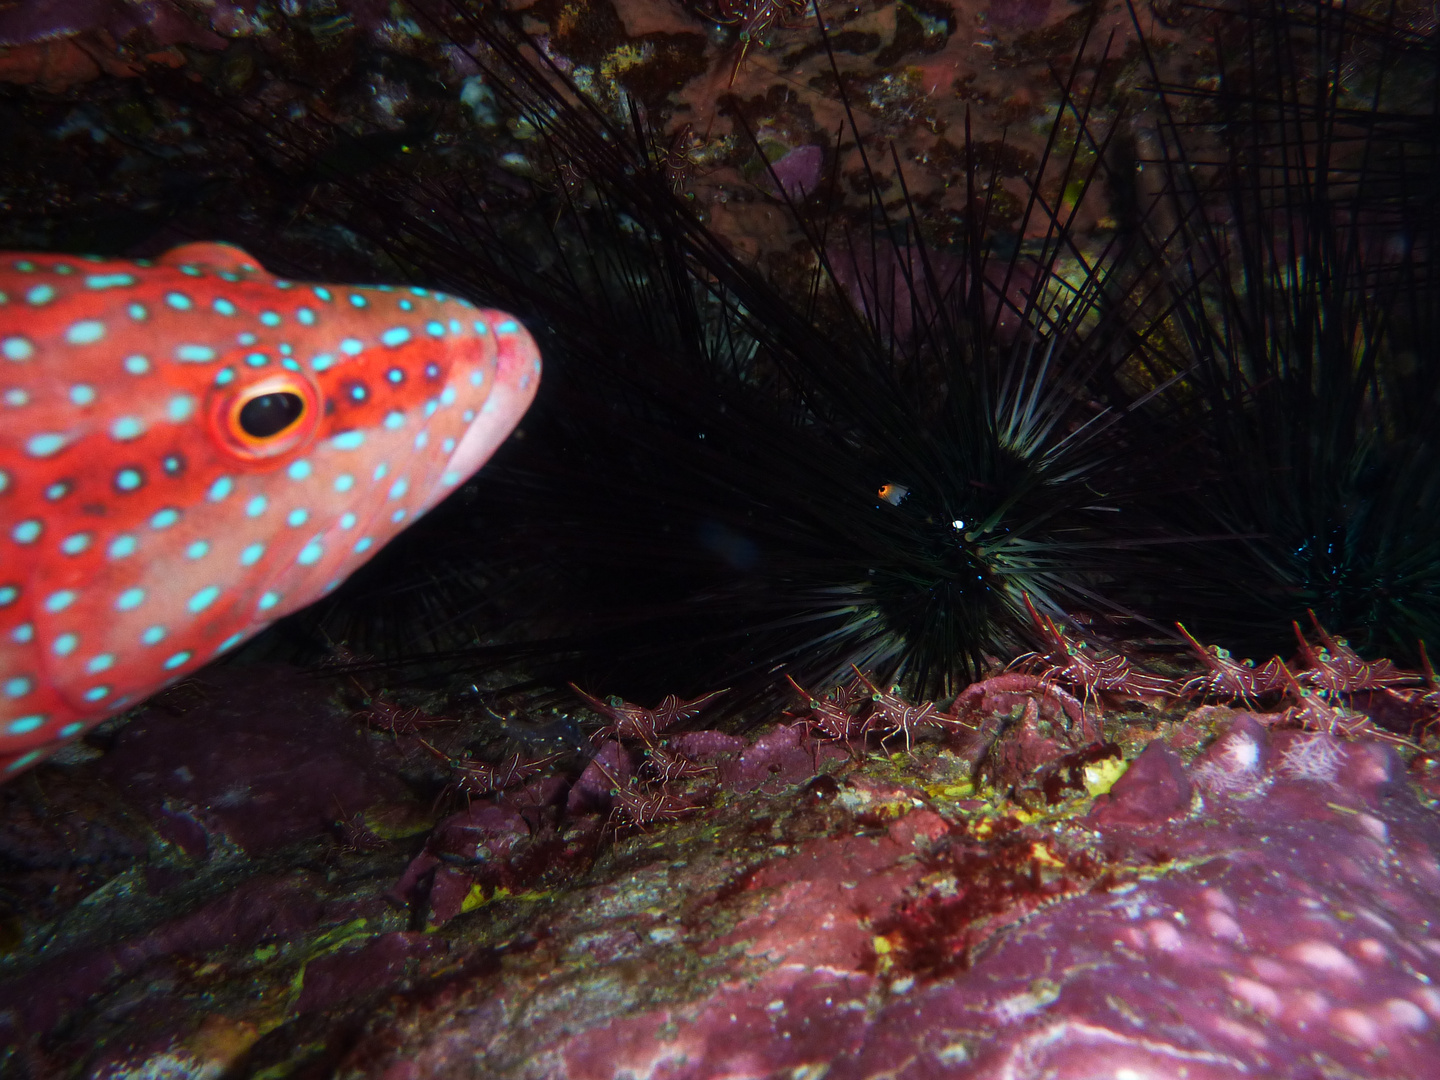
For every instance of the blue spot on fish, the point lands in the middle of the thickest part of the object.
(203, 599)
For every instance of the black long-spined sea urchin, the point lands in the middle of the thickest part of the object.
(1293, 237)
(696, 503)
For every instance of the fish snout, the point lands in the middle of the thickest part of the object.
(516, 379)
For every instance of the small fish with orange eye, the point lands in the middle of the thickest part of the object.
(894, 494)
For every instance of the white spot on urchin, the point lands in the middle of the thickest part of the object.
(1315, 757)
(17, 348)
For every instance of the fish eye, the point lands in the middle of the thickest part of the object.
(265, 417)
(268, 415)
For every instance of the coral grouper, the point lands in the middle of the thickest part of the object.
(192, 448)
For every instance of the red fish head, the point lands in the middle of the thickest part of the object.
(194, 448)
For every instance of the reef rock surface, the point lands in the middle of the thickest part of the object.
(1266, 908)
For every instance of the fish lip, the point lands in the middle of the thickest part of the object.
(517, 378)
(498, 417)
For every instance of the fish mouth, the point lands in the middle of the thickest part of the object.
(517, 377)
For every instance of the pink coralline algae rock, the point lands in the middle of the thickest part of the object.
(274, 763)
(841, 882)
(1154, 789)
(354, 972)
(166, 22)
(1266, 910)
(1018, 14)
(707, 744)
(1278, 928)
(798, 171)
(777, 759)
(797, 1014)
(260, 910)
(879, 283)
(40, 20)
(591, 792)
(487, 839)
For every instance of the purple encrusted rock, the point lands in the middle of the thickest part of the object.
(590, 794)
(1018, 14)
(260, 909)
(798, 172)
(884, 921)
(706, 744)
(777, 759)
(263, 760)
(353, 972)
(1290, 926)
(482, 830)
(1153, 790)
(44, 20)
